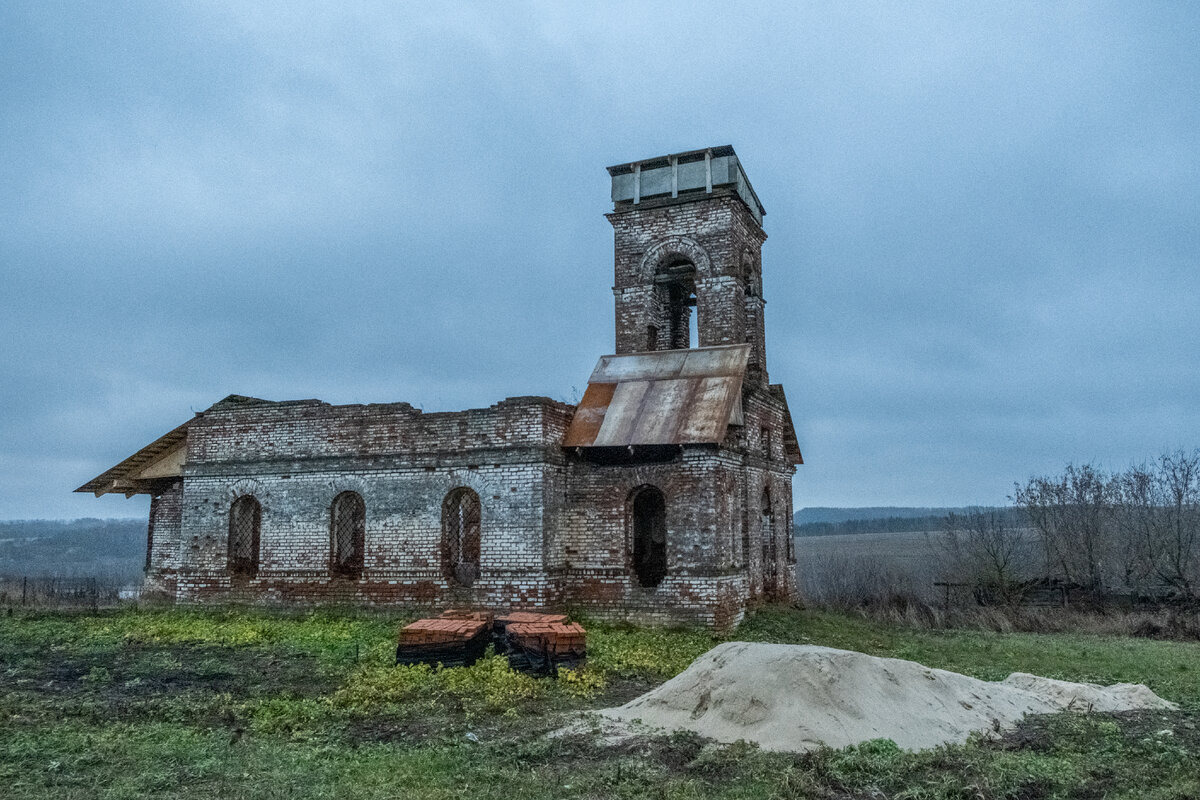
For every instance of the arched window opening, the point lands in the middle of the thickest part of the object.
(770, 566)
(347, 535)
(676, 281)
(749, 277)
(460, 536)
(649, 536)
(245, 523)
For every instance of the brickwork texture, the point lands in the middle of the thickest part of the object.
(555, 526)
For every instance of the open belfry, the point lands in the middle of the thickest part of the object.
(664, 496)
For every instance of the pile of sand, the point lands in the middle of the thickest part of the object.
(799, 697)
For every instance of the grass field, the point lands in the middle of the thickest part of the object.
(246, 704)
(828, 567)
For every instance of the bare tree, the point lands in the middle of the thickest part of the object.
(1137, 519)
(1160, 512)
(1073, 514)
(987, 552)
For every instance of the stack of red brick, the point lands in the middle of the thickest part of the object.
(540, 643)
(513, 617)
(454, 641)
(441, 631)
(532, 641)
(555, 639)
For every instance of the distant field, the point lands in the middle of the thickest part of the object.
(827, 563)
(908, 560)
(910, 548)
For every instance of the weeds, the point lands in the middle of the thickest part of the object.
(490, 685)
(244, 704)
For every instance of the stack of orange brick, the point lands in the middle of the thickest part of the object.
(468, 614)
(449, 642)
(512, 617)
(529, 616)
(545, 645)
(440, 631)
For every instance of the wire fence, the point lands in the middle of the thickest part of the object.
(41, 591)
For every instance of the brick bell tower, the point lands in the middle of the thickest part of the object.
(688, 245)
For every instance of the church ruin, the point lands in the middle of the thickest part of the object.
(663, 496)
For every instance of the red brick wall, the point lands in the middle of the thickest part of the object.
(556, 525)
(718, 234)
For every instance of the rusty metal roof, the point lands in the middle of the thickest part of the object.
(666, 397)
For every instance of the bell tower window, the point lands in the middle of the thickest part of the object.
(676, 285)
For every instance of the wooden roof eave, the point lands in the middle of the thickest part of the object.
(118, 479)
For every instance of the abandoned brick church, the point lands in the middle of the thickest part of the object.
(663, 496)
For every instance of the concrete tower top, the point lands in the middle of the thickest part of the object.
(683, 177)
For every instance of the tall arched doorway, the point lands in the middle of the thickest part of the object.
(460, 536)
(649, 536)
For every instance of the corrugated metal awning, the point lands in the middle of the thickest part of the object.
(666, 397)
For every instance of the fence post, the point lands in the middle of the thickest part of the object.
(24, 588)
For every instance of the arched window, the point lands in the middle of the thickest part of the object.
(649, 536)
(460, 536)
(749, 276)
(676, 282)
(347, 535)
(245, 522)
(768, 542)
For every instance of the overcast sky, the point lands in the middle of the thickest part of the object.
(983, 220)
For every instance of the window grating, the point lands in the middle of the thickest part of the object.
(348, 529)
(769, 552)
(460, 536)
(245, 521)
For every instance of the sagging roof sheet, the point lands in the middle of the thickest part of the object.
(666, 397)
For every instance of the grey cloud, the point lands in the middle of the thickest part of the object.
(982, 254)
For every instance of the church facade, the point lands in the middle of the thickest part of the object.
(663, 496)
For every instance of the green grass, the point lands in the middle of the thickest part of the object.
(252, 704)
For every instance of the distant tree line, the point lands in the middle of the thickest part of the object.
(831, 514)
(1014, 517)
(107, 548)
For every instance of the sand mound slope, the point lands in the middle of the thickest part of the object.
(798, 697)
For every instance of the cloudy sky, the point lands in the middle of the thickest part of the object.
(984, 258)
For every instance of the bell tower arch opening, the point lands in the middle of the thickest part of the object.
(675, 290)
